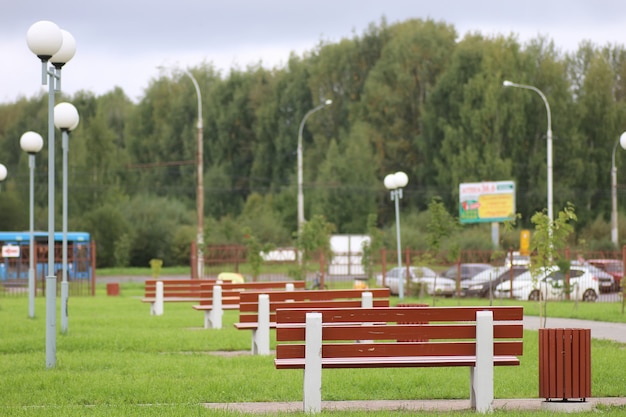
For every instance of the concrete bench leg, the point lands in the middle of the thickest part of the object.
(213, 317)
(313, 364)
(261, 336)
(481, 376)
(156, 308)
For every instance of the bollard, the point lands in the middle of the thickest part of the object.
(313, 364)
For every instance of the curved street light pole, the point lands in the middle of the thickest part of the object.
(549, 143)
(200, 182)
(300, 175)
(614, 238)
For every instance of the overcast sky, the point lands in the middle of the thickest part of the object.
(122, 42)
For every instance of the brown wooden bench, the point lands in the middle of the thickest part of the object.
(174, 290)
(229, 295)
(475, 337)
(253, 316)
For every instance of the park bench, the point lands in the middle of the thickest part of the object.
(475, 337)
(174, 290)
(257, 310)
(213, 301)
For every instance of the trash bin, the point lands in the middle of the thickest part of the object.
(565, 364)
(113, 288)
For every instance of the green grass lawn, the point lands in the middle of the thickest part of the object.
(117, 360)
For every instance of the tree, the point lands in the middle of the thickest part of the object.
(547, 240)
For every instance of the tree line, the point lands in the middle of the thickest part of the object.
(410, 96)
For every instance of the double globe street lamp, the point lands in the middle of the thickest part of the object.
(55, 46)
(31, 143)
(395, 183)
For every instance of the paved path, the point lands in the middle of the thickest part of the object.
(599, 330)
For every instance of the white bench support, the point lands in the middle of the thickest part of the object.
(313, 364)
(481, 376)
(213, 317)
(156, 307)
(261, 336)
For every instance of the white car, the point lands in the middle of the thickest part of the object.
(550, 285)
(419, 275)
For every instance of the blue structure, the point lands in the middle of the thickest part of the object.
(14, 260)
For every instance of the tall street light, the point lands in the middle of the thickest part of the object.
(549, 143)
(200, 182)
(395, 183)
(51, 44)
(66, 119)
(300, 175)
(622, 142)
(31, 143)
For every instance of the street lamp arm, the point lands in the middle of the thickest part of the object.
(538, 91)
(197, 87)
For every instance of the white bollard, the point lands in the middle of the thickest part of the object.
(261, 336)
(289, 286)
(213, 317)
(157, 306)
(481, 376)
(313, 364)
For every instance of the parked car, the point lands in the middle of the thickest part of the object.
(550, 285)
(517, 259)
(605, 280)
(467, 271)
(483, 283)
(615, 267)
(419, 275)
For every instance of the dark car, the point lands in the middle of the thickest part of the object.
(467, 270)
(483, 283)
(614, 267)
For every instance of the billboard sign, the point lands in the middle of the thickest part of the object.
(487, 202)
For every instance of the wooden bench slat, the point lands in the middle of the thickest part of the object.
(397, 362)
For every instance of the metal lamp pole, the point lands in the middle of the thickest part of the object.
(549, 143)
(395, 183)
(31, 142)
(622, 141)
(54, 45)
(300, 174)
(66, 119)
(200, 181)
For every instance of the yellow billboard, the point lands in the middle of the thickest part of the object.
(486, 202)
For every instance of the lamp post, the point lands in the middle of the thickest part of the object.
(66, 119)
(395, 183)
(3, 172)
(51, 44)
(31, 143)
(200, 181)
(549, 143)
(622, 142)
(300, 174)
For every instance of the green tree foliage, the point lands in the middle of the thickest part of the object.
(408, 96)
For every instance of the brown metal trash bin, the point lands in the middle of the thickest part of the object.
(565, 364)
(113, 288)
